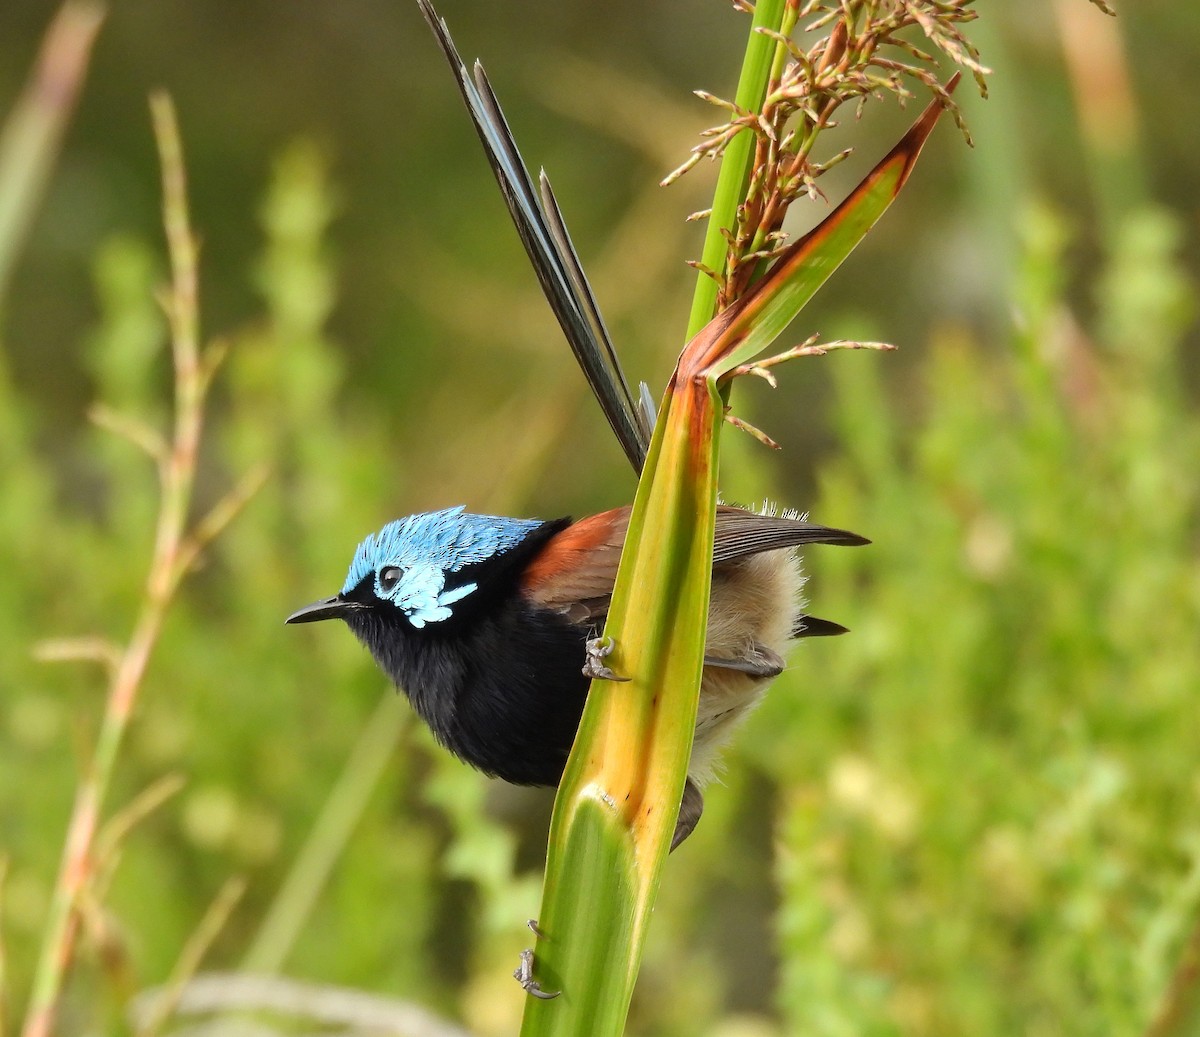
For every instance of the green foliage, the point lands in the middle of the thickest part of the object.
(975, 814)
(997, 830)
(259, 721)
(984, 796)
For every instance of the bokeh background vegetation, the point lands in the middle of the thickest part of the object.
(975, 814)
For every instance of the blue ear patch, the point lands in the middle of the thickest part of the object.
(427, 549)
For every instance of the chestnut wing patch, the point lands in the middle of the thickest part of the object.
(575, 572)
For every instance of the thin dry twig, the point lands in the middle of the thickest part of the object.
(744, 426)
(142, 435)
(809, 347)
(115, 831)
(98, 650)
(214, 921)
(175, 550)
(208, 528)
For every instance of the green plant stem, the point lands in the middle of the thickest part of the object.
(620, 792)
(736, 161)
(177, 474)
(291, 908)
(617, 802)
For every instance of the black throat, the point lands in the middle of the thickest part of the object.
(500, 682)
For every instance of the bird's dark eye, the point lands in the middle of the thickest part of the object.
(389, 577)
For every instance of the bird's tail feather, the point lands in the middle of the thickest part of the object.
(540, 225)
(811, 626)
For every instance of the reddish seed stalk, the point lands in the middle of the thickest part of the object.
(805, 91)
(177, 474)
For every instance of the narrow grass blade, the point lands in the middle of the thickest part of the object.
(620, 795)
(29, 141)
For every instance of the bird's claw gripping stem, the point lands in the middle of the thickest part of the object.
(523, 974)
(599, 648)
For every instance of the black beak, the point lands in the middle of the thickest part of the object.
(331, 608)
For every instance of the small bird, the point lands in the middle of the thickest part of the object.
(488, 624)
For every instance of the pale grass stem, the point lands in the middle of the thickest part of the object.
(35, 126)
(175, 551)
(167, 999)
(114, 831)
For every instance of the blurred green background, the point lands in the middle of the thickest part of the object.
(975, 814)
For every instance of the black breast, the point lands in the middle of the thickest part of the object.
(502, 689)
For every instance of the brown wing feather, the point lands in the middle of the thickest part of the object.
(575, 572)
(746, 533)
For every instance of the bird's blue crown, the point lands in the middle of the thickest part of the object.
(426, 549)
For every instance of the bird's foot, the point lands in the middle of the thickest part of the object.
(598, 649)
(523, 974)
